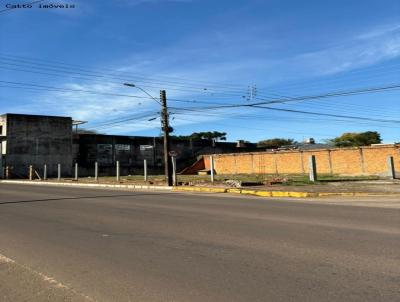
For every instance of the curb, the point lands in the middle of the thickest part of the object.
(200, 189)
(145, 187)
(247, 192)
(291, 194)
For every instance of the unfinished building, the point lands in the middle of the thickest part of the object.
(35, 140)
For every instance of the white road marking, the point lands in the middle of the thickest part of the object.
(50, 280)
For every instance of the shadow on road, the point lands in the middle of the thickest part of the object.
(79, 197)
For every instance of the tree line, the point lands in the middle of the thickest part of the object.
(348, 139)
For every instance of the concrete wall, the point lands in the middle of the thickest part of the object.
(38, 140)
(344, 161)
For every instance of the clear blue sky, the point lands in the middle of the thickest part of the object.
(204, 51)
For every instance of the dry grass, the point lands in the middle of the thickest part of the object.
(289, 180)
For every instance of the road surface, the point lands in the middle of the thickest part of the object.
(75, 244)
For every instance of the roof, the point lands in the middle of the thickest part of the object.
(34, 115)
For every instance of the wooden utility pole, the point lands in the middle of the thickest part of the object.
(165, 128)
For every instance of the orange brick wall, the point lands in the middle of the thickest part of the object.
(345, 161)
(377, 161)
(322, 158)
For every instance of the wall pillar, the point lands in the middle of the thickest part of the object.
(391, 169)
(313, 168)
(211, 159)
(362, 162)
(330, 162)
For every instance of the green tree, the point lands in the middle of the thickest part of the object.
(208, 135)
(275, 143)
(355, 139)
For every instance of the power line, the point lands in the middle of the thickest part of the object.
(77, 68)
(327, 114)
(338, 93)
(337, 108)
(254, 105)
(114, 123)
(340, 78)
(101, 78)
(148, 80)
(286, 98)
(311, 113)
(236, 87)
(259, 129)
(125, 118)
(74, 90)
(294, 111)
(19, 85)
(394, 86)
(253, 117)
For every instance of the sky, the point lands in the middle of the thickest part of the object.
(321, 68)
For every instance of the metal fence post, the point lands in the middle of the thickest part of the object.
(174, 180)
(145, 169)
(76, 171)
(118, 176)
(59, 172)
(313, 168)
(212, 168)
(96, 171)
(2, 170)
(30, 172)
(45, 172)
(391, 169)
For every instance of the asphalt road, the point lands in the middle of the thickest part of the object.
(73, 244)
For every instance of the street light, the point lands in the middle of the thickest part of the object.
(141, 89)
(165, 128)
